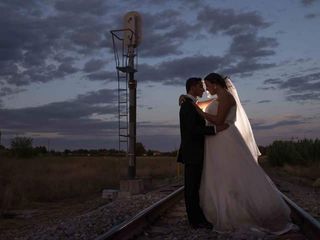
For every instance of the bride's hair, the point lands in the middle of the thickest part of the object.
(217, 79)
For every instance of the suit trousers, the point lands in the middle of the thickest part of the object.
(192, 179)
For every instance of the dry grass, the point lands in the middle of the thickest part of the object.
(23, 181)
(310, 172)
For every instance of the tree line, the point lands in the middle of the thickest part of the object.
(22, 147)
(302, 152)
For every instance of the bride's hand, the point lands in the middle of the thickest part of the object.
(182, 99)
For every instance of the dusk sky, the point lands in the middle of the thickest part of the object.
(58, 80)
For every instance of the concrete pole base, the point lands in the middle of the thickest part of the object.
(133, 186)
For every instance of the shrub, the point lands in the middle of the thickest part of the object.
(22, 147)
(303, 152)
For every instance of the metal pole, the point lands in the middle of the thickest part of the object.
(132, 116)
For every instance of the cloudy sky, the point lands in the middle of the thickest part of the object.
(58, 81)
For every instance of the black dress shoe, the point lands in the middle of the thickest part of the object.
(202, 225)
(194, 226)
(206, 225)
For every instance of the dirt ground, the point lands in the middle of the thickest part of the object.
(15, 223)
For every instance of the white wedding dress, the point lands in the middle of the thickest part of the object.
(235, 192)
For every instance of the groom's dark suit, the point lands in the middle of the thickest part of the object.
(191, 153)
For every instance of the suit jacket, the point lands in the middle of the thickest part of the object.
(192, 129)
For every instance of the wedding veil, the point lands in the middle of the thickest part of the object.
(242, 122)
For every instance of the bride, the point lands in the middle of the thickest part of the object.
(235, 193)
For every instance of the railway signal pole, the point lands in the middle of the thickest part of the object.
(125, 43)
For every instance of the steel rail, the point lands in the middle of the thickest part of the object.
(135, 225)
(308, 224)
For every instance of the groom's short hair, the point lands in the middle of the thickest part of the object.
(192, 82)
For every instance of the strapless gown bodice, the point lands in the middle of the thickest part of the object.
(213, 109)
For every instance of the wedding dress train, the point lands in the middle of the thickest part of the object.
(235, 192)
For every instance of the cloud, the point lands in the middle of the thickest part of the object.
(31, 7)
(42, 41)
(164, 33)
(90, 37)
(66, 68)
(250, 46)
(266, 88)
(283, 123)
(173, 72)
(88, 121)
(303, 97)
(309, 82)
(227, 21)
(311, 16)
(191, 4)
(264, 101)
(94, 7)
(272, 81)
(93, 65)
(301, 88)
(39, 47)
(163, 38)
(247, 67)
(42, 47)
(176, 71)
(88, 114)
(6, 91)
(308, 2)
(286, 127)
(247, 49)
(102, 76)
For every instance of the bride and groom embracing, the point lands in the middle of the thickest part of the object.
(225, 188)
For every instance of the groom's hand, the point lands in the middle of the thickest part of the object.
(182, 98)
(222, 127)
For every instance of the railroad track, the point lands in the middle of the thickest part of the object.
(155, 222)
(308, 224)
(135, 225)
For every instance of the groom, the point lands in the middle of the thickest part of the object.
(191, 153)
